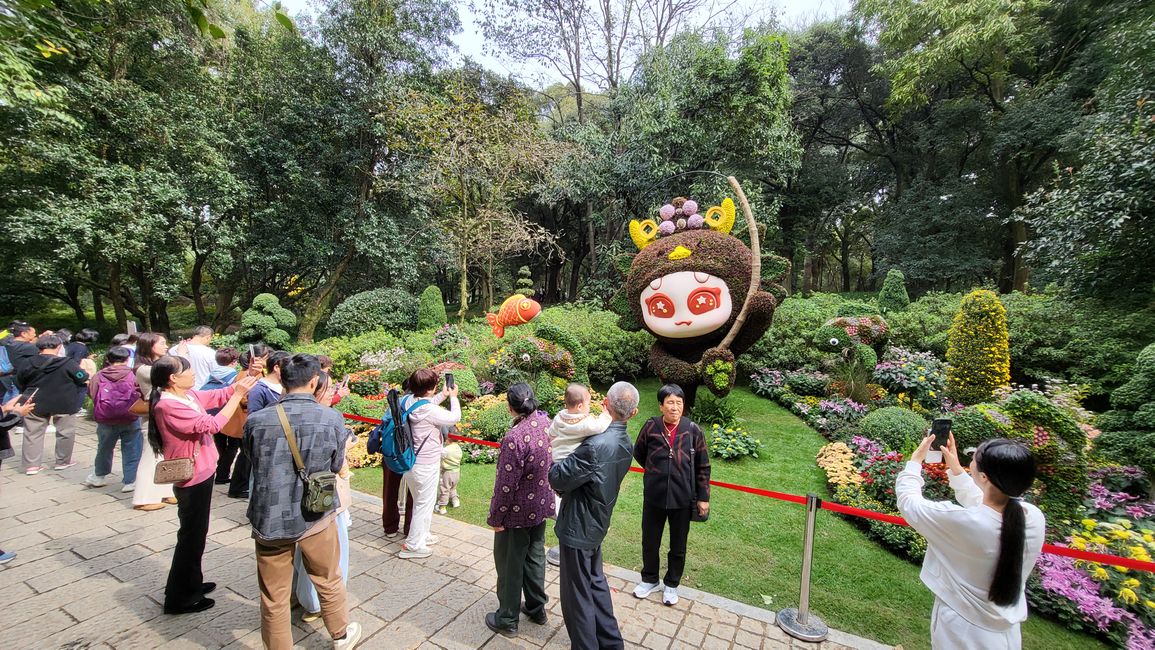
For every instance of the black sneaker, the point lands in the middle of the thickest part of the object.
(541, 618)
(239, 495)
(199, 606)
(491, 623)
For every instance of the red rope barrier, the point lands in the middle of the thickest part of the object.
(1088, 556)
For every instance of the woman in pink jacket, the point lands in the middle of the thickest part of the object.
(179, 427)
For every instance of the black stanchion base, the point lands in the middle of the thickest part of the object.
(812, 630)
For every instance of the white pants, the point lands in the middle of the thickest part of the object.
(949, 631)
(422, 483)
(147, 492)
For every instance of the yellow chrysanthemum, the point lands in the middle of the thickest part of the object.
(1100, 573)
(1089, 524)
(1128, 596)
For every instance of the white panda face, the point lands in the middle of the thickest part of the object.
(686, 304)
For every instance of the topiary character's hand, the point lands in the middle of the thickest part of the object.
(718, 371)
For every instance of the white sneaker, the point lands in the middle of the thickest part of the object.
(670, 596)
(96, 481)
(553, 556)
(431, 539)
(646, 588)
(391, 535)
(407, 554)
(352, 637)
(455, 502)
(441, 510)
(128, 487)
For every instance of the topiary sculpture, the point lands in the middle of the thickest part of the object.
(978, 350)
(391, 309)
(1129, 429)
(855, 339)
(893, 296)
(267, 321)
(431, 308)
(697, 289)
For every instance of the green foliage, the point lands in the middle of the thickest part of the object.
(807, 383)
(494, 421)
(895, 427)
(977, 423)
(267, 321)
(1127, 448)
(1114, 421)
(731, 442)
(893, 296)
(390, 309)
(346, 352)
(524, 284)
(358, 405)
(1058, 444)
(1141, 389)
(857, 308)
(787, 344)
(466, 381)
(925, 323)
(431, 308)
(715, 411)
(566, 341)
(978, 352)
(612, 352)
(899, 538)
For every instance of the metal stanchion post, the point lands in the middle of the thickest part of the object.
(800, 623)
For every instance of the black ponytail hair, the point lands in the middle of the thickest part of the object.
(161, 374)
(1010, 468)
(522, 400)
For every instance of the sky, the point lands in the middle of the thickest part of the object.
(471, 43)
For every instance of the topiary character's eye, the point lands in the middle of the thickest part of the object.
(660, 306)
(703, 300)
(833, 341)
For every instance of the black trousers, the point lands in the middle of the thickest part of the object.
(185, 581)
(239, 482)
(227, 448)
(653, 525)
(519, 555)
(585, 601)
(390, 492)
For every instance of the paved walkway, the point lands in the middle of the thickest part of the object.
(90, 573)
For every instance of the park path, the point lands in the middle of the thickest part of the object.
(90, 573)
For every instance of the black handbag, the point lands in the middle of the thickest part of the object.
(695, 515)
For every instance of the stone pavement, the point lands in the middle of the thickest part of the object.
(90, 573)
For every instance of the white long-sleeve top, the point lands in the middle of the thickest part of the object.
(568, 430)
(963, 546)
(427, 421)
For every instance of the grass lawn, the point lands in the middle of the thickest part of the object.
(751, 549)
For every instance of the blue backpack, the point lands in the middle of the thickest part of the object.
(6, 367)
(393, 438)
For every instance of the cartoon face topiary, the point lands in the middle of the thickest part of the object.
(686, 286)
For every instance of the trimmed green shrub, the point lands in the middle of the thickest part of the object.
(1127, 448)
(610, 352)
(1114, 421)
(1058, 444)
(1140, 389)
(787, 344)
(524, 284)
(924, 324)
(267, 321)
(389, 309)
(893, 296)
(977, 423)
(431, 308)
(857, 308)
(346, 352)
(895, 427)
(978, 351)
(466, 381)
(494, 421)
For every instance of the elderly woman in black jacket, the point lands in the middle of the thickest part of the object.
(672, 449)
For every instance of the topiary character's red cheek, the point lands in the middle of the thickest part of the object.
(659, 305)
(704, 300)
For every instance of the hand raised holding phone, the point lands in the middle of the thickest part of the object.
(20, 405)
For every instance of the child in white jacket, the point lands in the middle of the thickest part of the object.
(569, 428)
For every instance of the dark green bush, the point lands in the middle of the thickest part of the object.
(1114, 421)
(924, 324)
(1127, 448)
(857, 308)
(787, 344)
(710, 410)
(977, 423)
(389, 309)
(610, 351)
(346, 351)
(431, 308)
(893, 296)
(895, 427)
(267, 321)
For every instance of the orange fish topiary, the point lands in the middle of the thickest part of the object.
(516, 310)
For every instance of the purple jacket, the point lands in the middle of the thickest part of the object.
(522, 497)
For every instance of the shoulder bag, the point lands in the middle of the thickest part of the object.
(320, 487)
(177, 470)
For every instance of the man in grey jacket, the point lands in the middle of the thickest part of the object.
(588, 481)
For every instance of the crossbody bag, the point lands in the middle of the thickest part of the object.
(320, 487)
(176, 470)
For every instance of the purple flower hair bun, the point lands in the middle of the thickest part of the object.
(690, 207)
(666, 228)
(667, 212)
(695, 221)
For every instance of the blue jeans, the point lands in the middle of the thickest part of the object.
(131, 443)
(306, 592)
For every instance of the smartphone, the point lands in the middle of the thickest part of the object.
(28, 396)
(344, 383)
(449, 381)
(940, 429)
(252, 354)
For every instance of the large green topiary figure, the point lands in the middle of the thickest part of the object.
(857, 340)
(267, 321)
(431, 309)
(893, 296)
(978, 350)
(391, 309)
(1129, 429)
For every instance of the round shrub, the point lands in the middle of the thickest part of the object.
(431, 308)
(893, 296)
(466, 381)
(1114, 421)
(391, 309)
(608, 352)
(856, 308)
(895, 427)
(493, 422)
(978, 350)
(808, 383)
(977, 423)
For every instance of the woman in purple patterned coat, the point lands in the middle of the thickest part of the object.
(522, 502)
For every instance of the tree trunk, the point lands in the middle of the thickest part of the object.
(845, 243)
(320, 301)
(72, 290)
(196, 284)
(463, 285)
(97, 306)
(116, 295)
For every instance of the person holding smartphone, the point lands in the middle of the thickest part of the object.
(11, 413)
(980, 550)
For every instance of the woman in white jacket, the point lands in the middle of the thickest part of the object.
(979, 552)
(426, 420)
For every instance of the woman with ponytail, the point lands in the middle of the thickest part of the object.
(980, 551)
(180, 427)
(522, 502)
(421, 480)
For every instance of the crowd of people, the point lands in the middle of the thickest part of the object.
(262, 422)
